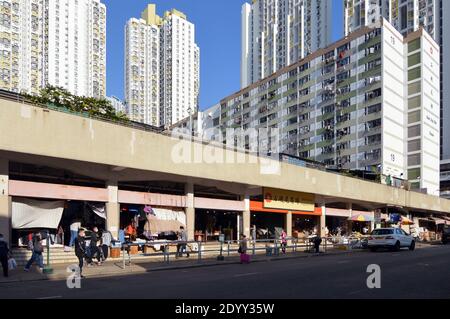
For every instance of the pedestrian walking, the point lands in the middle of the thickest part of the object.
(37, 250)
(74, 228)
(93, 248)
(283, 238)
(243, 247)
(182, 247)
(106, 243)
(80, 250)
(317, 241)
(4, 254)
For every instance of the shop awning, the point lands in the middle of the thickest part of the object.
(30, 213)
(362, 218)
(406, 221)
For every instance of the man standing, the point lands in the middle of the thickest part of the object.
(94, 251)
(183, 245)
(80, 249)
(36, 256)
(74, 227)
(106, 243)
(4, 253)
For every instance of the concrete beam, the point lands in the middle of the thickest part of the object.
(31, 130)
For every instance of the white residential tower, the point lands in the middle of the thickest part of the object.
(277, 33)
(162, 66)
(56, 42)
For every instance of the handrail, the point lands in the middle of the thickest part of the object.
(272, 247)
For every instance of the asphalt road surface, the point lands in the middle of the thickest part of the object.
(424, 273)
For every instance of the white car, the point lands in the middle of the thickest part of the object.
(392, 238)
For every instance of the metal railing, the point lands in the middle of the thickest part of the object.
(268, 247)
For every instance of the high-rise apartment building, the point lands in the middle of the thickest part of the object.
(118, 105)
(277, 33)
(56, 42)
(444, 39)
(405, 15)
(162, 78)
(408, 16)
(368, 102)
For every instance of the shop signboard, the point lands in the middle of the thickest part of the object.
(288, 200)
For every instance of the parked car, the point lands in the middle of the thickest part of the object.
(446, 234)
(391, 238)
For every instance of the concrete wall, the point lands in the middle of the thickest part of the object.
(33, 130)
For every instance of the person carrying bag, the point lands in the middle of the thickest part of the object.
(245, 258)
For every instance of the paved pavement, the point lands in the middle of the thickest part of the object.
(424, 273)
(144, 265)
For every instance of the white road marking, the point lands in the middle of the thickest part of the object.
(52, 297)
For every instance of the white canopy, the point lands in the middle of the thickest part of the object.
(29, 213)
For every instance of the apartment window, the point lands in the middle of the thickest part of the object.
(414, 160)
(414, 102)
(414, 131)
(414, 74)
(414, 146)
(414, 88)
(414, 117)
(414, 59)
(414, 45)
(414, 173)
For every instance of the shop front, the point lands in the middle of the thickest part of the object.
(346, 222)
(268, 222)
(216, 217)
(53, 209)
(210, 224)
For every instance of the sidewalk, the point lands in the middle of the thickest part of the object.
(140, 266)
(115, 267)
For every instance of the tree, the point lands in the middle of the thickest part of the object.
(61, 98)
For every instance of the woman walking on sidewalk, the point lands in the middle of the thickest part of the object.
(245, 258)
(36, 256)
(283, 238)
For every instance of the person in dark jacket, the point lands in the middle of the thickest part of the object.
(36, 256)
(80, 249)
(4, 253)
(93, 248)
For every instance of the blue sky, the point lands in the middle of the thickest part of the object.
(218, 32)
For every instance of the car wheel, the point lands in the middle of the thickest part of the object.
(396, 246)
(412, 246)
(373, 249)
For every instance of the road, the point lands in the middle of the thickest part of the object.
(424, 273)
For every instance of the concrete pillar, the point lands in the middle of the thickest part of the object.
(350, 215)
(113, 209)
(246, 217)
(288, 224)
(190, 211)
(323, 222)
(5, 201)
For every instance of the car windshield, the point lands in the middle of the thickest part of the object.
(378, 232)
